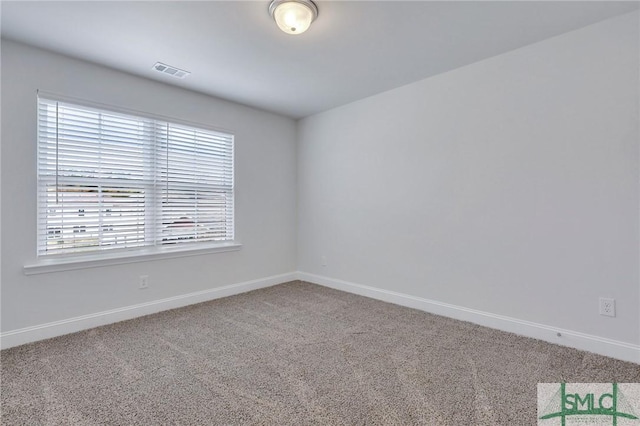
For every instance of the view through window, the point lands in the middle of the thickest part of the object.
(108, 180)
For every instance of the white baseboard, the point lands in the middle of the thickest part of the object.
(58, 328)
(599, 345)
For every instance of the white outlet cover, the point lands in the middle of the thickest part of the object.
(607, 307)
(143, 282)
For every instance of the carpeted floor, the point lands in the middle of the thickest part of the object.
(293, 354)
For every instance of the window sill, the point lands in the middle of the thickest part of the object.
(45, 266)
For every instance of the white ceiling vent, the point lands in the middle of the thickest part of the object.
(172, 71)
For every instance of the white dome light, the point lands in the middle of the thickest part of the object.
(293, 16)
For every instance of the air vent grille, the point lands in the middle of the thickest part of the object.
(172, 71)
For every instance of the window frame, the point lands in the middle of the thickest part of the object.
(102, 257)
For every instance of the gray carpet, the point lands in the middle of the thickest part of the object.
(293, 354)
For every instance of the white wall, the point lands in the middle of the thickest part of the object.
(509, 186)
(265, 192)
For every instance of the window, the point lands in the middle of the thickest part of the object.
(109, 181)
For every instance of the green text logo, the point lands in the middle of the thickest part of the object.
(588, 404)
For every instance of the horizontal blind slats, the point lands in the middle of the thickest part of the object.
(108, 180)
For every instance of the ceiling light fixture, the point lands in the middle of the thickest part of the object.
(293, 16)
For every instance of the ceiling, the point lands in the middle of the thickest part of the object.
(235, 51)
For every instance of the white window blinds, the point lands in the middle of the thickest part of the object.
(108, 180)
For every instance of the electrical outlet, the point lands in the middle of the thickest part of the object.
(324, 260)
(607, 307)
(143, 282)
